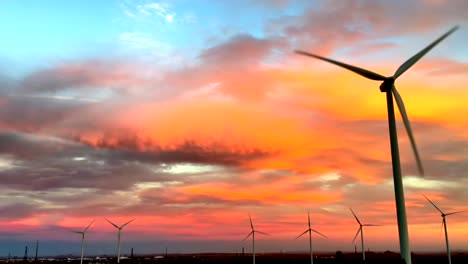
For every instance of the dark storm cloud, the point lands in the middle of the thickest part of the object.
(52, 174)
(131, 148)
(32, 113)
(25, 146)
(48, 163)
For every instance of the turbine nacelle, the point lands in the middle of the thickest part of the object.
(387, 84)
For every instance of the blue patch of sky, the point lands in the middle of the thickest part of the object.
(35, 32)
(201, 24)
(53, 27)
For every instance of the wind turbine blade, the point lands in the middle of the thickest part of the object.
(78, 232)
(363, 72)
(305, 232)
(127, 223)
(404, 116)
(263, 233)
(251, 224)
(433, 205)
(248, 236)
(411, 61)
(308, 215)
(355, 216)
(319, 233)
(86, 229)
(357, 233)
(112, 223)
(456, 212)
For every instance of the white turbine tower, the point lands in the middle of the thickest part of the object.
(361, 230)
(118, 235)
(388, 87)
(310, 230)
(252, 233)
(82, 233)
(444, 225)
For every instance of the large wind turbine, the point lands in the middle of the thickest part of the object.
(360, 230)
(310, 230)
(252, 233)
(444, 224)
(388, 87)
(118, 235)
(82, 239)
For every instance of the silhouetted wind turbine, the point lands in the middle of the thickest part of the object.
(362, 233)
(444, 224)
(310, 230)
(388, 87)
(252, 233)
(118, 235)
(82, 239)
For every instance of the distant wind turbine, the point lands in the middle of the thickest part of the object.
(82, 233)
(252, 233)
(361, 230)
(310, 230)
(388, 87)
(444, 224)
(118, 235)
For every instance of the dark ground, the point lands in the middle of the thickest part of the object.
(350, 258)
(338, 257)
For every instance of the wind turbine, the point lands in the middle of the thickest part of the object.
(388, 87)
(252, 233)
(444, 224)
(310, 230)
(82, 240)
(360, 230)
(118, 235)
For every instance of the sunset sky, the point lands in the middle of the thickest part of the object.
(188, 115)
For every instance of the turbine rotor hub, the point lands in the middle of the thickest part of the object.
(387, 84)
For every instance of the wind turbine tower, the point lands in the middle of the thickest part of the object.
(444, 225)
(118, 235)
(25, 258)
(252, 233)
(37, 249)
(310, 230)
(388, 87)
(360, 230)
(82, 233)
